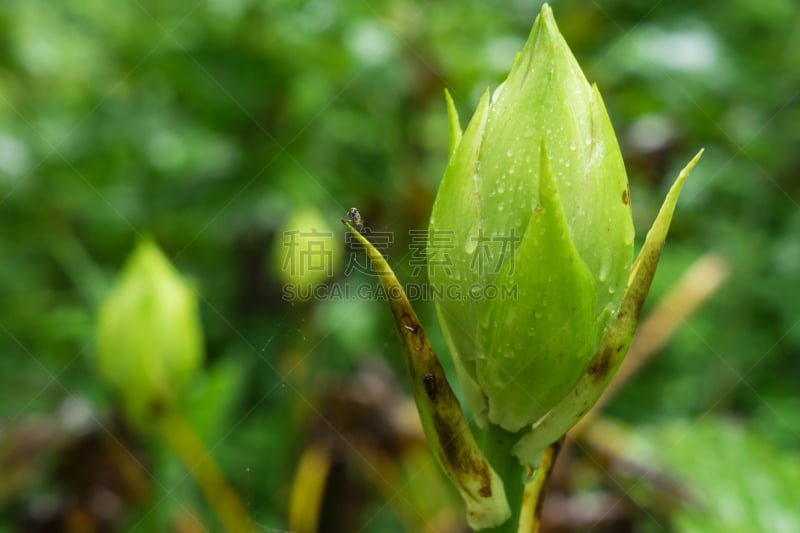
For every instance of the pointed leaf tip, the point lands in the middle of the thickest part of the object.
(657, 235)
(453, 121)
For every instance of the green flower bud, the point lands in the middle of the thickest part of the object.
(149, 336)
(533, 203)
(306, 253)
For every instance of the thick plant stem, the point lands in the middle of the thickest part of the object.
(525, 500)
(183, 440)
(497, 448)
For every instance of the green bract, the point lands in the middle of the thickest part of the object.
(149, 337)
(534, 235)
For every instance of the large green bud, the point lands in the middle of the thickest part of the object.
(533, 204)
(149, 337)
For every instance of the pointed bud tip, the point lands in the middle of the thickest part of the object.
(546, 18)
(547, 12)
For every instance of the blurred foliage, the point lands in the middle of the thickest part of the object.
(209, 125)
(758, 496)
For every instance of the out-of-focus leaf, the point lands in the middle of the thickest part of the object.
(214, 397)
(739, 482)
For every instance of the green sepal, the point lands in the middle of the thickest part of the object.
(453, 122)
(458, 203)
(616, 341)
(531, 369)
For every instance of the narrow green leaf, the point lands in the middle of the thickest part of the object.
(521, 382)
(444, 423)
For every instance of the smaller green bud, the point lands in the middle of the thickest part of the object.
(306, 253)
(149, 336)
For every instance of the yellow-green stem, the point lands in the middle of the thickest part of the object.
(533, 498)
(182, 438)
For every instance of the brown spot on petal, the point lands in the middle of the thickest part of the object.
(626, 196)
(411, 325)
(460, 457)
(429, 381)
(601, 365)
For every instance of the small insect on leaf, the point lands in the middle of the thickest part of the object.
(355, 218)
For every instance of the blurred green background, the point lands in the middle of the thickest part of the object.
(217, 126)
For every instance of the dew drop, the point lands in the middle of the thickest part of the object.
(605, 266)
(510, 317)
(628, 238)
